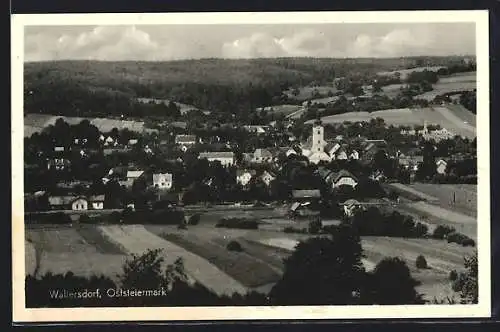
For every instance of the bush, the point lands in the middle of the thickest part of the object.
(295, 230)
(58, 218)
(315, 226)
(461, 239)
(182, 226)
(421, 262)
(453, 275)
(85, 219)
(194, 219)
(234, 246)
(239, 223)
(442, 231)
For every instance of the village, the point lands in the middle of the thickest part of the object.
(348, 168)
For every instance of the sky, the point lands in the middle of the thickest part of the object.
(176, 42)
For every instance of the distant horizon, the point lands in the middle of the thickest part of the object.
(261, 58)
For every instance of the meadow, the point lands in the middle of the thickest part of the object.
(102, 249)
(35, 123)
(444, 116)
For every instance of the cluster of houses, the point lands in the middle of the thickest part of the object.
(76, 203)
(428, 134)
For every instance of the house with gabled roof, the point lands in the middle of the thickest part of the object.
(267, 177)
(261, 156)
(162, 180)
(225, 158)
(243, 176)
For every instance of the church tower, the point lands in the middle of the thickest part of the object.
(318, 140)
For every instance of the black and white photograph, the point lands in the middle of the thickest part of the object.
(335, 165)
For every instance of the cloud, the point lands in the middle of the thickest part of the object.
(303, 43)
(103, 43)
(398, 42)
(155, 43)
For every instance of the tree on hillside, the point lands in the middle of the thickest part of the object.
(322, 271)
(391, 283)
(467, 282)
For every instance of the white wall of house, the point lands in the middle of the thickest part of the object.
(162, 181)
(223, 161)
(244, 178)
(97, 205)
(441, 168)
(79, 205)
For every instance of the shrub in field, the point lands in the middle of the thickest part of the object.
(421, 262)
(453, 275)
(85, 219)
(58, 218)
(234, 246)
(314, 226)
(295, 230)
(240, 223)
(194, 219)
(442, 231)
(466, 282)
(461, 239)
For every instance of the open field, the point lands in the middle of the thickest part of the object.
(405, 72)
(411, 117)
(248, 270)
(92, 249)
(306, 92)
(281, 109)
(411, 193)
(441, 257)
(62, 249)
(136, 240)
(37, 122)
(449, 84)
(459, 197)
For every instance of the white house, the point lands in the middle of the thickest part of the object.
(225, 158)
(185, 141)
(79, 204)
(267, 177)
(244, 176)
(441, 166)
(162, 180)
(354, 155)
(97, 202)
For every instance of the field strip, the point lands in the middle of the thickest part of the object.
(439, 212)
(289, 244)
(242, 267)
(81, 264)
(431, 249)
(264, 254)
(413, 191)
(94, 238)
(448, 115)
(395, 250)
(136, 240)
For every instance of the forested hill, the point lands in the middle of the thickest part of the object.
(93, 88)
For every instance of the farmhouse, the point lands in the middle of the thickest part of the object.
(267, 177)
(97, 202)
(225, 158)
(342, 178)
(79, 204)
(58, 164)
(262, 156)
(162, 180)
(410, 162)
(186, 140)
(243, 176)
(256, 129)
(441, 166)
(134, 175)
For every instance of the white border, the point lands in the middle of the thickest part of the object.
(483, 309)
